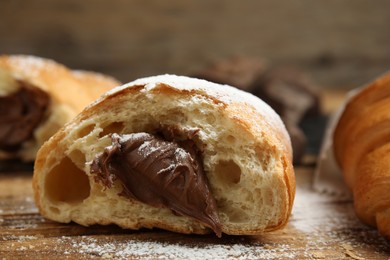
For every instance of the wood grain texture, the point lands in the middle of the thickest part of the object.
(321, 227)
(341, 43)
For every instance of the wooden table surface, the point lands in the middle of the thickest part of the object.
(321, 227)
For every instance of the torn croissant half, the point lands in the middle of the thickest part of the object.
(362, 148)
(170, 152)
(37, 97)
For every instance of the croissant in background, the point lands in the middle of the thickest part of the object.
(362, 149)
(37, 97)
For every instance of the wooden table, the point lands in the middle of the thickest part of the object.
(321, 227)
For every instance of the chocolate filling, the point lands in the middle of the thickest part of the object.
(159, 173)
(20, 113)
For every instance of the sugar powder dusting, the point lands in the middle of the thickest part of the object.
(159, 250)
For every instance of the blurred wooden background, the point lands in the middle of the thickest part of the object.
(340, 43)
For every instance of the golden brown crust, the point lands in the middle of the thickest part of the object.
(256, 121)
(361, 147)
(62, 83)
(255, 124)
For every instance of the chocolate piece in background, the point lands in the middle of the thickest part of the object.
(237, 71)
(294, 97)
(289, 91)
(314, 130)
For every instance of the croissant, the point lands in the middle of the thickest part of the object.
(362, 149)
(37, 97)
(170, 152)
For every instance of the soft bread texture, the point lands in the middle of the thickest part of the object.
(362, 149)
(246, 155)
(70, 92)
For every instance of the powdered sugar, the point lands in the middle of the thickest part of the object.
(224, 93)
(181, 153)
(147, 148)
(31, 64)
(161, 250)
(125, 138)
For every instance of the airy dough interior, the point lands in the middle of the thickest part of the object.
(242, 177)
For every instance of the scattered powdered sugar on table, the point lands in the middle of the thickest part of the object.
(321, 227)
(310, 214)
(324, 225)
(161, 250)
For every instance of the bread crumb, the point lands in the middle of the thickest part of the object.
(349, 252)
(318, 255)
(107, 256)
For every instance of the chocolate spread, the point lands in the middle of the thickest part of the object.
(20, 113)
(159, 173)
